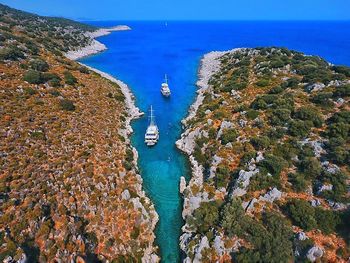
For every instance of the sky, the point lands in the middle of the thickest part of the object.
(166, 10)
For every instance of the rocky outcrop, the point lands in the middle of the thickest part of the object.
(94, 46)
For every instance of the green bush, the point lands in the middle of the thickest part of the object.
(327, 220)
(69, 78)
(280, 116)
(297, 181)
(339, 190)
(228, 135)
(309, 114)
(271, 164)
(11, 53)
(276, 90)
(39, 65)
(342, 116)
(67, 105)
(233, 216)
(338, 130)
(252, 114)
(345, 70)
(323, 99)
(260, 143)
(263, 181)
(342, 91)
(310, 167)
(301, 213)
(299, 128)
(206, 216)
(33, 77)
(271, 241)
(262, 82)
(222, 176)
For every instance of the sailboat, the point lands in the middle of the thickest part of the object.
(165, 90)
(152, 132)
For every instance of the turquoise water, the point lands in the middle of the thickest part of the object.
(142, 56)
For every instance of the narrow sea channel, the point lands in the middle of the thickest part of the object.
(142, 56)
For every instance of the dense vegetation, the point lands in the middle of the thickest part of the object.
(284, 121)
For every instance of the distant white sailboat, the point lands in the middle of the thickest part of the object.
(152, 132)
(165, 90)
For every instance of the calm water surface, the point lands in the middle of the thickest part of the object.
(142, 56)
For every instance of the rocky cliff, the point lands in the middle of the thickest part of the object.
(268, 141)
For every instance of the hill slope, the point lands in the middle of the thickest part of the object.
(268, 139)
(69, 188)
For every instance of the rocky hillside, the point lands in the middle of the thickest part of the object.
(69, 188)
(268, 140)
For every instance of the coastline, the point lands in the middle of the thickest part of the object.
(209, 65)
(95, 46)
(134, 113)
(150, 254)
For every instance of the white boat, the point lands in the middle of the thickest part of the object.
(152, 132)
(165, 90)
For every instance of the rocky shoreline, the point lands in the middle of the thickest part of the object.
(133, 113)
(209, 66)
(95, 46)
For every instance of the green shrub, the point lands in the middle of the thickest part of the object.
(39, 65)
(301, 213)
(345, 70)
(263, 181)
(69, 78)
(338, 130)
(342, 91)
(67, 105)
(276, 90)
(309, 114)
(228, 135)
(342, 116)
(260, 143)
(323, 99)
(262, 82)
(299, 128)
(30, 91)
(327, 220)
(247, 156)
(206, 216)
(252, 114)
(11, 53)
(33, 77)
(233, 216)
(271, 164)
(339, 190)
(259, 104)
(310, 167)
(291, 83)
(280, 116)
(298, 182)
(222, 176)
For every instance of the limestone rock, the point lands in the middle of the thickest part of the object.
(314, 253)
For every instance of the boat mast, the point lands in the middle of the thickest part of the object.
(166, 79)
(151, 116)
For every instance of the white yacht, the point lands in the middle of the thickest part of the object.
(165, 90)
(152, 132)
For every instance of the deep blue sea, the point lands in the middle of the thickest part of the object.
(142, 56)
